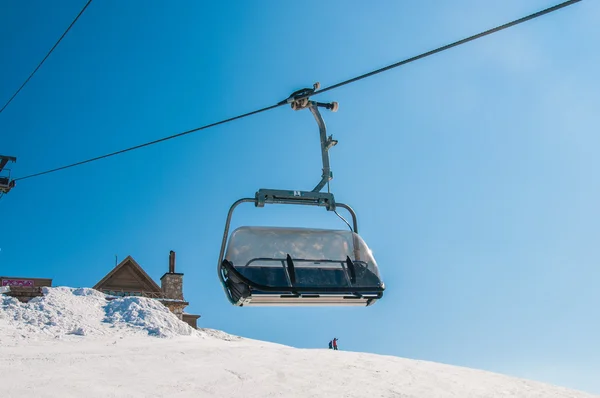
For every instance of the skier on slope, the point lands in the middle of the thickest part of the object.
(335, 343)
(330, 344)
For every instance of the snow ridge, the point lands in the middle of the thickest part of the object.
(65, 311)
(147, 315)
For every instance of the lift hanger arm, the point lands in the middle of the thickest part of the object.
(300, 100)
(326, 143)
(5, 159)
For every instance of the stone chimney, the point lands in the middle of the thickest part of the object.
(171, 282)
(171, 262)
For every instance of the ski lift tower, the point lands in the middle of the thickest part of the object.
(6, 184)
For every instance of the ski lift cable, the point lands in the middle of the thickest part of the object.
(46, 57)
(316, 92)
(448, 46)
(150, 143)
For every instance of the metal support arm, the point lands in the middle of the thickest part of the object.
(294, 197)
(326, 143)
(300, 100)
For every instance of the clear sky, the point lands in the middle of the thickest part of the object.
(474, 172)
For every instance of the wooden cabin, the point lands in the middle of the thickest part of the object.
(129, 279)
(22, 288)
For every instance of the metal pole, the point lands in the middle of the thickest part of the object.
(324, 147)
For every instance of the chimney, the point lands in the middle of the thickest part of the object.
(172, 282)
(171, 262)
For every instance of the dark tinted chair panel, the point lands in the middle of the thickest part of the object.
(268, 276)
(320, 277)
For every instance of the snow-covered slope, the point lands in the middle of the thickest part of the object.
(75, 343)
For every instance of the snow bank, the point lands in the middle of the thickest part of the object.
(62, 312)
(147, 315)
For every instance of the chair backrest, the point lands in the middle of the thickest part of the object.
(304, 245)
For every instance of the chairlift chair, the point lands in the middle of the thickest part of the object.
(292, 266)
(6, 184)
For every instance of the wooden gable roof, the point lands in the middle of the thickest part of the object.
(129, 276)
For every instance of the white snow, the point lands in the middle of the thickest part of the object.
(75, 343)
(147, 315)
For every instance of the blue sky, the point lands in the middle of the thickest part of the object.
(473, 172)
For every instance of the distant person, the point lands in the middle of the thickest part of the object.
(335, 343)
(330, 344)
